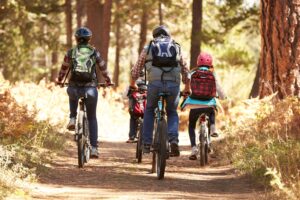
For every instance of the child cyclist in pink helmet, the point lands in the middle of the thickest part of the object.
(205, 86)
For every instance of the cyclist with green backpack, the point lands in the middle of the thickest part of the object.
(81, 63)
(163, 62)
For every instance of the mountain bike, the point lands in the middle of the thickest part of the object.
(204, 135)
(160, 151)
(82, 133)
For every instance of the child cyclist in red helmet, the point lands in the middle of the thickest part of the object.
(205, 86)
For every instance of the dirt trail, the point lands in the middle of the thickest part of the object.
(116, 175)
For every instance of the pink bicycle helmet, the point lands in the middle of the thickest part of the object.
(204, 59)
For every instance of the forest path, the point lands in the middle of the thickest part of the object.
(116, 175)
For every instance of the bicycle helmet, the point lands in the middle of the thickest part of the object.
(204, 59)
(160, 30)
(83, 35)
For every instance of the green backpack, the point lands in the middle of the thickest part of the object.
(83, 63)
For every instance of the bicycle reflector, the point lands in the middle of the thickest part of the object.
(202, 118)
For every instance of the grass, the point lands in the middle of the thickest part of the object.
(263, 140)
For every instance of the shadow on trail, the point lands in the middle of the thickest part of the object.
(117, 170)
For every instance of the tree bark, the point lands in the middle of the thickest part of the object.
(160, 14)
(106, 29)
(94, 21)
(68, 11)
(117, 58)
(280, 48)
(79, 12)
(255, 87)
(144, 27)
(196, 32)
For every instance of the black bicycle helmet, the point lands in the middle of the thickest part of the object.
(83, 35)
(160, 30)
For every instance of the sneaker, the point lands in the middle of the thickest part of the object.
(71, 125)
(94, 152)
(131, 140)
(194, 153)
(174, 150)
(146, 148)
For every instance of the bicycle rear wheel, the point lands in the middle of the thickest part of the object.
(80, 141)
(202, 149)
(162, 148)
(139, 144)
(86, 133)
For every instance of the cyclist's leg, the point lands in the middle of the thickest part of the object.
(171, 108)
(213, 130)
(132, 128)
(91, 106)
(193, 117)
(73, 93)
(152, 99)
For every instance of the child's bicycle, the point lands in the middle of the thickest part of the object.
(82, 134)
(160, 142)
(204, 136)
(139, 124)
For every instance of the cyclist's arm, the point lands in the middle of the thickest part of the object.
(220, 90)
(64, 67)
(139, 65)
(102, 66)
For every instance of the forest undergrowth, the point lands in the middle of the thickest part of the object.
(262, 139)
(261, 136)
(32, 128)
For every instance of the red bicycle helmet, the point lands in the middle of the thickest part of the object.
(204, 59)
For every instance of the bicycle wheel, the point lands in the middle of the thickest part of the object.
(202, 149)
(155, 144)
(206, 153)
(86, 133)
(139, 144)
(80, 141)
(162, 148)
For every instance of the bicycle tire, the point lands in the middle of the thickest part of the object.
(162, 149)
(202, 149)
(155, 141)
(139, 144)
(86, 147)
(80, 141)
(206, 153)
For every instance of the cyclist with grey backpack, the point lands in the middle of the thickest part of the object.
(163, 64)
(79, 66)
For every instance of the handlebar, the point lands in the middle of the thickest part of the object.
(104, 85)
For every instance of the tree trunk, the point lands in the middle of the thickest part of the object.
(255, 87)
(94, 21)
(196, 32)
(68, 11)
(106, 29)
(160, 14)
(79, 12)
(117, 58)
(280, 52)
(144, 27)
(54, 69)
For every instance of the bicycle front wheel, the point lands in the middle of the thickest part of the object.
(162, 148)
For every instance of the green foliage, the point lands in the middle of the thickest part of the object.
(24, 26)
